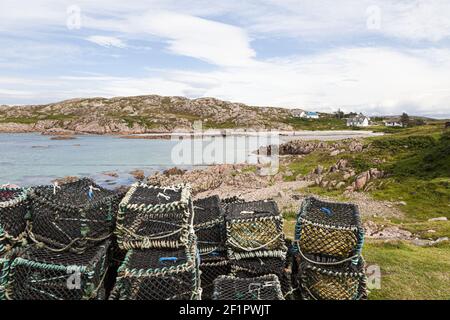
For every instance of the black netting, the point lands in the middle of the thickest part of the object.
(255, 267)
(332, 230)
(148, 218)
(209, 224)
(260, 288)
(158, 274)
(254, 229)
(345, 281)
(212, 265)
(154, 195)
(68, 217)
(40, 274)
(330, 213)
(13, 210)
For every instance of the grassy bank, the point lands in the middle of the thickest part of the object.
(416, 162)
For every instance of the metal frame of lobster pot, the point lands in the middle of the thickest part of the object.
(155, 217)
(72, 216)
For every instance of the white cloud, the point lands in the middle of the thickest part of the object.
(106, 41)
(215, 42)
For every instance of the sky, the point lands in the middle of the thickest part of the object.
(379, 57)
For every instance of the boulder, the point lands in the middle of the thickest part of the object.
(361, 180)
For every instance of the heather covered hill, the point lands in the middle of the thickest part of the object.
(139, 114)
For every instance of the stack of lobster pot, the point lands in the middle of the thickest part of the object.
(13, 209)
(328, 243)
(255, 241)
(69, 226)
(209, 227)
(155, 226)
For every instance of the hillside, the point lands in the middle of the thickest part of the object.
(139, 114)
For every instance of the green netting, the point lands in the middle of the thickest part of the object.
(13, 210)
(346, 281)
(155, 217)
(254, 229)
(266, 287)
(37, 273)
(74, 216)
(331, 230)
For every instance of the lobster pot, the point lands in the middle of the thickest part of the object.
(266, 287)
(255, 267)
(254, 229)
(209, 224)
(212, 266)
(70, 217)
(224, 203)
(330, 230)
(5, 263)
(40, 274)
(345, 281)
(155, 217)
(13, 209)
(158, 274)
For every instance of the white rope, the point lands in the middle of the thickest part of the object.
(237, 245)
(160, 194)
(324, 263)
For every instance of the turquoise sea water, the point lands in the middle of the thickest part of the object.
(31, 159)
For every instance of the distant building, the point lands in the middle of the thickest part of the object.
(359, 120)
(298, 113)
(393, 123)
(312, 115)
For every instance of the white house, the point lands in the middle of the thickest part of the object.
(312, 115)
(393, 123)
(298, 113)
(358, 121)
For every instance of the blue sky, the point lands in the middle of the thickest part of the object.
(378, 56)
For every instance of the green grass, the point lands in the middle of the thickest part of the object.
(424, 198)
(316, 124)
(35, 119)
(408, 271)
(306, 164)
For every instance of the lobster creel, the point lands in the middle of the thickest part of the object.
(13, 211)
(266, 287)
(72, 216)
(254, 229)
(255, 267)
(155, 217)
(212, 265)
(37, 273)
(209, 224)
(345, 281)
(159, 274)
(330, 230)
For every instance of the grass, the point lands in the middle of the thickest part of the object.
(408, 271)
(424, 198)
(35, 119)
(306, 164)
(316, 124)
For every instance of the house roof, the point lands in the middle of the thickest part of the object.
(311, 113)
